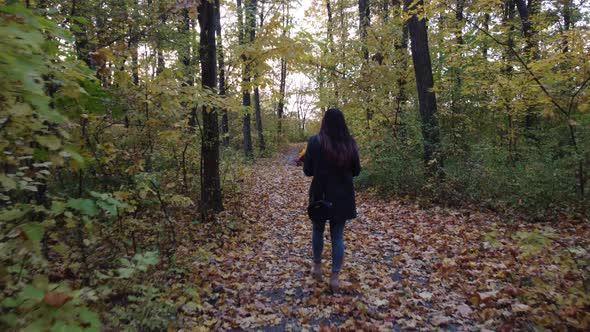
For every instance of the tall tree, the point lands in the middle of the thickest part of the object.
(456, 107)
(221, 66)
(526, 12)
(330, 35)
(364, 23)
(161, 62)
(80, 32)
(283, 74)
(210, 187)
(401, 52)
(566, 13)
(257, 111)
(133, 42)
(424, 85)
(244, 32)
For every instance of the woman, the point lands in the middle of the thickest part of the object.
(332, 159)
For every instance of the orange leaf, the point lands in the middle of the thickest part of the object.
(55, 299)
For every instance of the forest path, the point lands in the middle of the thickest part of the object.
(405, 267)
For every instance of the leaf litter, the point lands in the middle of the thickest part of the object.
(406, 267)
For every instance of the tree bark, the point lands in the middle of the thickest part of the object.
(457, 107)
(221, 66)
(508, 15)
(424, 83)
(258, 115)
(161, 62)
(486, 23)
(401, 48)
(526, 12)
(282, 92)
(364, 22)
(567, 23)
(283, 79)
(210, 185)
(330, 35)
(81, 35)
(244, 32)
(257, 112)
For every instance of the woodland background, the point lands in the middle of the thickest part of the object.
(130, 127)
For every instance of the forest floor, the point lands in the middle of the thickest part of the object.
(406, 267)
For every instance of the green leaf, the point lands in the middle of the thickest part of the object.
(34, 231)
(9, 215)
(10, 302)
(30, 292)
(7, 182)
(86, 206)
(70, 152)
(64, 326)
(80, 19)
(90, 318)
(51, 142)
(109, 208)
(60, 249)
(9, 319)
(57, 207)
(125, 272)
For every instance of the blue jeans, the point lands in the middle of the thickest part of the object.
(337, 237)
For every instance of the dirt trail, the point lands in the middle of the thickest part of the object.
(405, 267)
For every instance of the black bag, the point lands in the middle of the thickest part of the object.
(319, 211)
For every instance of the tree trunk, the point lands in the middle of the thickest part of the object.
(257, 113)
(486, 23)
(282, 92)
(210, 185)
(567, 23)
(530, 50)
(507, 19)
(283, 80)
(342, 41)
(364, 22)
(222, 83)
(330, 35)
(425, 83)
(401, 48)
(81, 35)
(161, 63)
(186, 59)
(244, 31)
(457, 108)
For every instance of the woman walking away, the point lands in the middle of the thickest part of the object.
(332, 159)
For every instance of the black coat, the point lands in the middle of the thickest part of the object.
(335, 181)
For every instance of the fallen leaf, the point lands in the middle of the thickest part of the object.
(440, 320)
(519, 307)
(426, 296)
(464, 310)
(56, 299)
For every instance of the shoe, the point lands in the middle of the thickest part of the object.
(334, 283)
(316, 271)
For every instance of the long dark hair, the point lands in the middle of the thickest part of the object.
(338, 146)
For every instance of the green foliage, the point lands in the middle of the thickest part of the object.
(33, 140)
(144, 311)
(514, 125)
